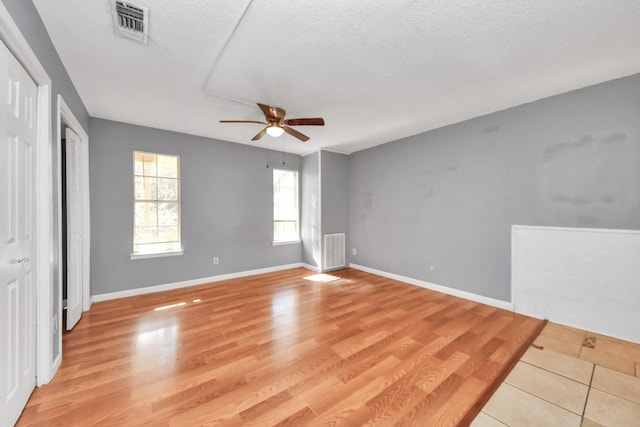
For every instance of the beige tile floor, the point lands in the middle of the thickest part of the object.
(562, 381)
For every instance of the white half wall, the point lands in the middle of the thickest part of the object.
(585, 278)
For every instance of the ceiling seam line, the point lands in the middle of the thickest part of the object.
(224, 48)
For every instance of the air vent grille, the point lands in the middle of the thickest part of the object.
(131, 21)
(334, 251)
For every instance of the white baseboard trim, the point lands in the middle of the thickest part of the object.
(192, 282)
(439, 288)
(311, 267)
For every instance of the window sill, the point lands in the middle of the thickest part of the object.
(155, 254)
(288, 242)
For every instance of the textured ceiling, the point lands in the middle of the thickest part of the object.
(375, 70)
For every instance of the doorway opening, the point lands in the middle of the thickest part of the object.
(63, 218)
(73, 218)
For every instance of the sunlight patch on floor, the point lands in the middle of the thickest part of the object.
(178, 304)
(165, 307)
(322, 278)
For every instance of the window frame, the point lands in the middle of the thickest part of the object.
(297, 239)
(157, 253)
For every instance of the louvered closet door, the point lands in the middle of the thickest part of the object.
(18, 95)
(74, 229)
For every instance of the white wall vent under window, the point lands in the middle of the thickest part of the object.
(130, 20)
(334, 251)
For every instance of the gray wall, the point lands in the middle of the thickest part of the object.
(335, 195)
(227, 207)
(28, 21)
(310, 209)
(26, 16)
(445, 200)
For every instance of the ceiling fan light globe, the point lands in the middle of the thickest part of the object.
(275, 131)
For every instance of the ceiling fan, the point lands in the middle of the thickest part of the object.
(277, 125)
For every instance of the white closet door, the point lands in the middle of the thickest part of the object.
(18, 96)
(74, 229)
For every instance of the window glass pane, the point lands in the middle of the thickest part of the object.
(286, 230)
(168, 234)
(168, 166)
(278, 230)
(283, 213)
(287, 180)
(167, 189)
(283, 198)
(145, 234)
(285, 205)
(146, 214)
(138, 187)
(168, 213)
(284, 178)
(291, 230)
(146, 188)
(156, 203)
(138, 163)
(149, 164)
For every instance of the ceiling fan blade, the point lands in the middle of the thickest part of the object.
(259, 135)
(316, 121)
(293, 132)
(242, 121)
(272, 113)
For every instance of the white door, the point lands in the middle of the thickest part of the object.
(17, 242)
(74, 229)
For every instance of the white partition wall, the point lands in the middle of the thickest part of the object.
(586, 278)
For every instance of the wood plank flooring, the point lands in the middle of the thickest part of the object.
(278, 349)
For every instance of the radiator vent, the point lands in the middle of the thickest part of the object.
(130, 20)
(334, 251)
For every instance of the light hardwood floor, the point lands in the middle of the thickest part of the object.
(278, 349)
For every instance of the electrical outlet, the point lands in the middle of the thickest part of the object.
(354, 251)
(432, 268)
(215, 260)
(55, 325)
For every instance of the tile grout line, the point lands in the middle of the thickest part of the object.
(584, 409)
(593, 369)
(555, 373)
(589, 385)
(492, 417)
(615, 395)
(544, 400)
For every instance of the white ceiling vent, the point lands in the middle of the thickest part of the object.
(130, 20)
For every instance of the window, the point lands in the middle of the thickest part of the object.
(156, 227)
(285, 206)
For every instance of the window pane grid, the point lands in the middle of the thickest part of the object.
(285, 205)
(159, 242)
(157, 203)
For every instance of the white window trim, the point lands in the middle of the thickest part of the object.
(160, 254)
(143, 255)
(286, 242)
(299, 239)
